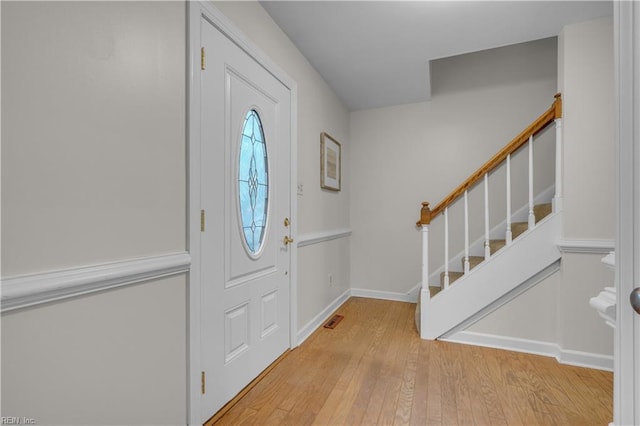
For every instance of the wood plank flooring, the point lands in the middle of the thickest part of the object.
(373, 369)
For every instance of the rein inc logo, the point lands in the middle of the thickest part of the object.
(12, 420)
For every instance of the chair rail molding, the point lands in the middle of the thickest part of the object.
(586, 246)
(33, 289)
(320, 237)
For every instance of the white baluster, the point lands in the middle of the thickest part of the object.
(487, 242)
(532, 218)
(557, 200)
(425, 263)
(446, 248)
(466, 232)
(508, 235)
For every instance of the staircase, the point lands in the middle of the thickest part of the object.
(509, 266)
(517, 228)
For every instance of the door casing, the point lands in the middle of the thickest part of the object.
(626, 389)
(195, 11)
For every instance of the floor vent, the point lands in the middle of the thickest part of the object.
(333, 321)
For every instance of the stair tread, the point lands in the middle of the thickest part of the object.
(495, 245)
(518, 228)
(453, 275)
(542, 210)
(473, 261)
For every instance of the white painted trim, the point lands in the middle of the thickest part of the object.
(325, 314)
(466, 301)
(321, 237)
(384, 295)
(514, 344)
(586, 246)
(293, 203)
(626, 378)
(610, 261)
(195, 11)
(536, 347)
(194, 349)
(586, 359)
(605, 304)
(34, 289)
(497, 232)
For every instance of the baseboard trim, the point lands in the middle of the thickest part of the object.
(586, 359)
(384, 295)
(33, 289)
(415, 292)
(564, 356)
(320, 237)
(318, 320)
(586, 246)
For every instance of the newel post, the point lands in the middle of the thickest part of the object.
(425, 220)
(424, 295)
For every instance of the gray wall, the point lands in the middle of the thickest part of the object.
(558, 311)
(93, 171)
(407, 154)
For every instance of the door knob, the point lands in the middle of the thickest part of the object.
(635, 299)
(287, 240)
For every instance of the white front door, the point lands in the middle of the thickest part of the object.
(244, 248)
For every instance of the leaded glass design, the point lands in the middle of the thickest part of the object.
(253, 181)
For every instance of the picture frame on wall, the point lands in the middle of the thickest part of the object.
(330, 163)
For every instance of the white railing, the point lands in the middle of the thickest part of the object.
(552, 115)
(446, 248)
(508, 234)
(487, 240)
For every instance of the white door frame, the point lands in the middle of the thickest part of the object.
(195, 11)
(626, 389)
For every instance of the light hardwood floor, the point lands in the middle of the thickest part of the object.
(373, 369)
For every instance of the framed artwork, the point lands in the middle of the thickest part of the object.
(330, 162)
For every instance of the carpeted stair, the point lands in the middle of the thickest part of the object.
(517, 228)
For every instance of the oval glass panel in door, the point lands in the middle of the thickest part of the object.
(253, 182)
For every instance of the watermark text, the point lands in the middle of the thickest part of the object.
(15, 420)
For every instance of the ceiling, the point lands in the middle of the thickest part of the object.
(377, 53)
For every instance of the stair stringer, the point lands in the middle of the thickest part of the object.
(493, 282)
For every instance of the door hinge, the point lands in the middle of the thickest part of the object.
(203, 59)
(202, 219)
(204, 380)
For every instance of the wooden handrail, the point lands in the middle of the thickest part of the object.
(553, 113)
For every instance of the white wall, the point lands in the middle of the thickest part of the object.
(589, 149)
(114, 358)
(403, 155)
(319, 110)
(586, 80)
(93, 170)
(93, 135)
